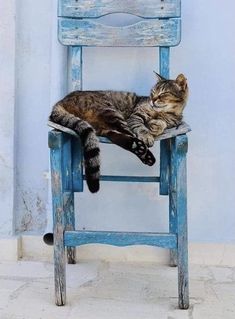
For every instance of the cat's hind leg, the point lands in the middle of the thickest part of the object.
(132, 144)
(115, 121)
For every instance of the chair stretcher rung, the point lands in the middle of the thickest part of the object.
(77, 238)
(133, 179)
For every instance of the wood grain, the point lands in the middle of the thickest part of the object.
(178, 199)
(78, 26)
(121, 239)
(98, 8)
(164, 66)
(68, 208)
(182, 129)
(75, 68)
(56, 142)
(146, 33)
(77, 165)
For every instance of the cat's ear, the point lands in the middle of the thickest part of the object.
(181, 81)
(159, 77)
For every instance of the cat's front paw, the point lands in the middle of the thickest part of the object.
(156, 127)
(148, 139)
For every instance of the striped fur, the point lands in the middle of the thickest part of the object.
(130, 121)
(89, 142)
(163, 109)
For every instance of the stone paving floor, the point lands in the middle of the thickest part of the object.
(100, 290)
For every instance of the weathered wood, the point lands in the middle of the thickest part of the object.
(75, 68)
(56, 143)
(164, 55)
(172, 209)
(164, 166)
(132, 179)
(77, 165)
(66, 163)
(75, 173)
(98, 8)
(147, 33)
(77, 238)
(67, 157)
(68, 198)
(68, 207)
(164, 62)
(182, 129)
(179, 147)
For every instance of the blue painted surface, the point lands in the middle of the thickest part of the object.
(145, 33)
(68, 194)
(75, 83)
(56, 143)
(133, 179)
(121, 239)
(68, 210)
(164, 68)
(93, 34)
(98, 8)
(75, 68)
(77, 165)
(173, 223)
(67, 163)
(178, 199)
(164, 62)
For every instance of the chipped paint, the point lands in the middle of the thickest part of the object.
(55, 177)
(152, 33)
(95, 9)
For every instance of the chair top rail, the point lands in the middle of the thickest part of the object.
(168, 133)
(99, 8)
(145, 33)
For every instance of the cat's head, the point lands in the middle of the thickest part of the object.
(169, 95)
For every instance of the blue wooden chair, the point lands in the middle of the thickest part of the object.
(77, 27)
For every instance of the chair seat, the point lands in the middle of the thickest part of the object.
(168, 133)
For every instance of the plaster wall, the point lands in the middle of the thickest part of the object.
(205, 55)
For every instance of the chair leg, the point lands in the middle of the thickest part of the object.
(172, 209)
(172, 230)
(179, 204)
(164, 166)
(68, 198)
(56, 145)
(70, 223)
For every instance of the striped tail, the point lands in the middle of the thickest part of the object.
(89, 142)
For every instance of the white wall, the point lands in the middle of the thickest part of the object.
(205, 55)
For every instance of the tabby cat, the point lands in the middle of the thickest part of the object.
(128, 120)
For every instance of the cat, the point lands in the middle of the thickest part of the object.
(128, 120)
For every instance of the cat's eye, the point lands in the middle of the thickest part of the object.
(164, 93)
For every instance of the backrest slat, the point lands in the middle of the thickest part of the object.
(98, 8)
(164, 62)
(164, 70)
(146, 33)
(75, 68)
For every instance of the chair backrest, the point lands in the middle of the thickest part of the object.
(78, 26)
(160, 26)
